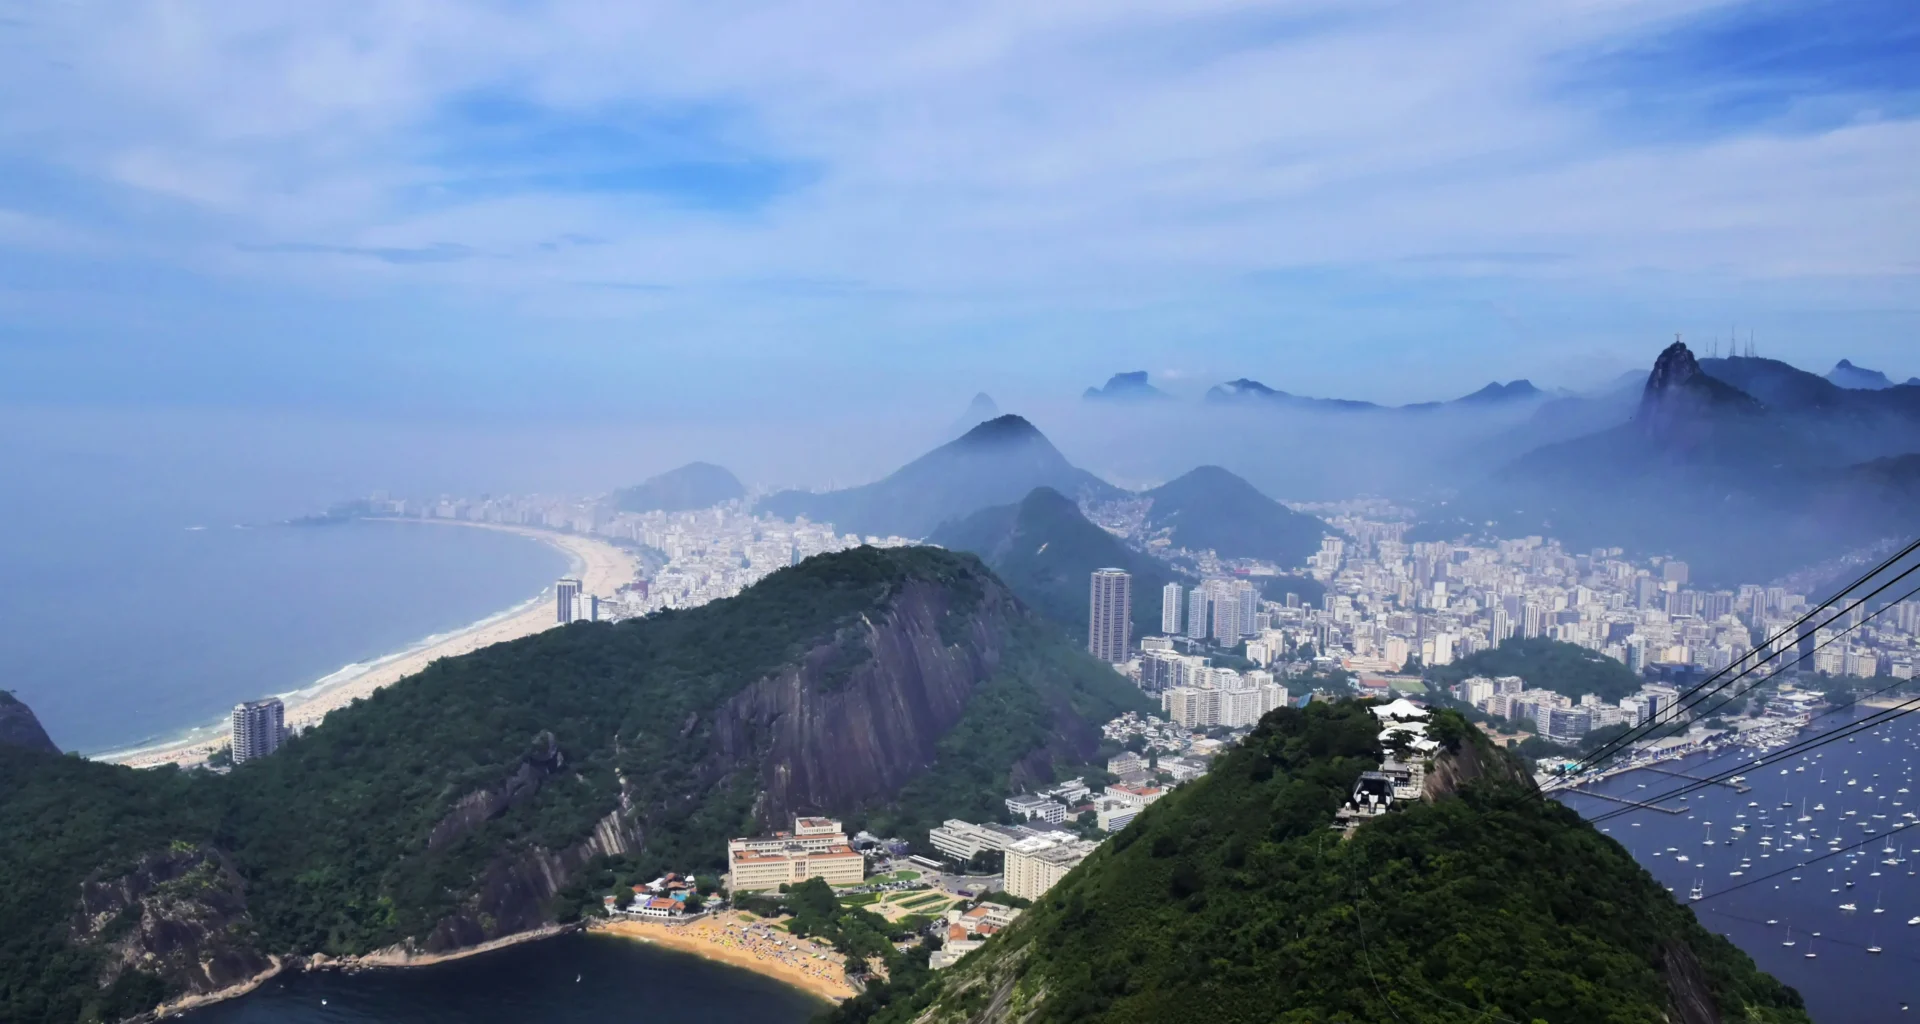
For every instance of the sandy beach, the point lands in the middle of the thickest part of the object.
(746, 941)
(601, 568)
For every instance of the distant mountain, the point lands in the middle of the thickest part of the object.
(1847, 375)
(1126, 387)
(1210, 508)
(695, 485)
(1046, 552)
(1512, 391)
(980, 410)
(1743, 485)
(19, 727)
(995, 463)
(1252, 392)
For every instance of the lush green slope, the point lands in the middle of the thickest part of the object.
(1210, 508)
(1231, 901)
(692, 486)
(433, 811)
(1047, 551)
(1564, 668)
(995, 463)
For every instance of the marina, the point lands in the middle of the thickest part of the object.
(1809, 867)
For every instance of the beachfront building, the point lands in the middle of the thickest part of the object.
(816, 848)
(566, 599)
(259, 726)
(1034, 865)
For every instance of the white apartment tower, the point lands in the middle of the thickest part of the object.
(1226, 612)
(1170, 609)
(566, 594)
(258, 728)
(1110, 615)
(1197, 613)
(1249, 602)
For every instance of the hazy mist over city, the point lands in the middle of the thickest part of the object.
(1006, 511)
(803, 243)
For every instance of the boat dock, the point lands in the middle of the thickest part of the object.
(1641, 804)
(1737, 787)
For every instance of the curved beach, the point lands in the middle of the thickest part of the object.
(601, 567)
(748, 942)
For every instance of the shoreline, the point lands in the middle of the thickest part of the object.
(600, 566)
(717, 939)
(826, 982)
(391, 957)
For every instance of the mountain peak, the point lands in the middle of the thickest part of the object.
(19, 727)
(1497, 392)
(1130, 386)
(1002, 429)
(980, 410)
(692, 486)
(1858, 378)
(1680, 397)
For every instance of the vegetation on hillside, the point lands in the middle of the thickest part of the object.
(1046, 551)
(1568, 669)
(1231, 900)
(335, 835)
(1212, 509)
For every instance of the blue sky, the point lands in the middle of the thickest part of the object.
(674, 209)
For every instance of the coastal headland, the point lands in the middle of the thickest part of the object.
(742, 940)
(601, 567)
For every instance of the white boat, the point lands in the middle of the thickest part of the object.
(1848, 906)
(1913, 920)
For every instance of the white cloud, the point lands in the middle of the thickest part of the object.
(1002, 155)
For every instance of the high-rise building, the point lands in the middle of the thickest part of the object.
(258, 728)
(1197, 613)
(1170, 608)
(1249, 599)
(566, 594)
(1224, 607)
(1636, 653)
(1110, 615)
(1500, 628)
(1530, 616)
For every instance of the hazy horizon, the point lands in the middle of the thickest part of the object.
(563, 211)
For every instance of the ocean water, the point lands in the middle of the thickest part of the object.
(1842, 983)
(140, 628)
(590, 979)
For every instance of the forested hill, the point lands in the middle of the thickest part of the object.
(1047, 551)
(502, 790)
(1567, 669)
(1212, 509)
(1232, 901)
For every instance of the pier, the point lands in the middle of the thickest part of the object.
(1737, 787)
(1641, 804)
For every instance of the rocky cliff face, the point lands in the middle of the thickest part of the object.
(180, 913)
(826, 737)
(1475, 758)
(19, 728)
(1682, 404)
